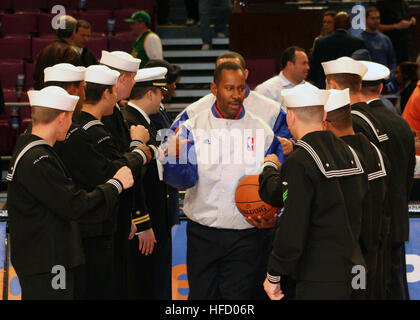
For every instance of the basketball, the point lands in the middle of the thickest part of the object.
(248, 200)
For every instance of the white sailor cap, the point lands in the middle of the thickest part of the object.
(151, 77)
(344, 65)
(337, 99)
(53, 97)
(64, 72)
(375, 74)
(101, 75)
(120, 60)
(304, 95)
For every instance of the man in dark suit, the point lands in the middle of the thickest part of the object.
(60, 51)
(150, 251)
(80, 40)
(333, 46)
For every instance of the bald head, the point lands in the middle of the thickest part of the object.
(342, 20)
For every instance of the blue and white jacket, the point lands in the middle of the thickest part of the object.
(268, 110)
(218, 154)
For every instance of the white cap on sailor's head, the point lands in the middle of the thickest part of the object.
(101, 75)
(376, 71)
(304, 95)
(337, 99)
(120, 60)
(53, 97)
(153, 77)
(344, 65)
(64, 72)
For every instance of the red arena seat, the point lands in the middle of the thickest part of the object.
(138, 4)
(5, 4)
(9, 71)
(10, 95)
(121, 42)
(260, 70)
(29, 76)
(29, 5)
(19, 23)
(98, 19)
(102, 4)
(120, 16)
(40, 43)
(96, 44)
(15, 47)
(67, 4)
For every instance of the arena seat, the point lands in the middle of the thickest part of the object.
(98, 19)
(29, 75)
(260, 70)
(5, 5)
(121, 42)
(102, 4)
(38, 43)
(7, 137)
(15, 47)
(10, 95)
(98, 43)
(9, 70)
(68, 4)
(119, 16)
(147, 5)
(18, 23)
(29, 5)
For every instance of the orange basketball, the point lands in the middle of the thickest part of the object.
(248, 200)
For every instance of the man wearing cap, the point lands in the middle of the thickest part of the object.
(44, 203)
(372, 231)
(59, 51)
(162, 122)
(400, 149)
(100, 158)
(147, 44)
(314, 241)
(223, 249)
(127, 66)
(152, 265)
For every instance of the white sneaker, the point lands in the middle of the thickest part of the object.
(221, 35)
(205, 46)
(190, 22)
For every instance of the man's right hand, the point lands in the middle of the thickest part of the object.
(140, 133)
(403, 24)
(174, 146)
(146, 151)
(125, 176)
(273, 158)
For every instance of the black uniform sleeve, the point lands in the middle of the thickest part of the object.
(47, 182)
(290, 240)
(271, 188)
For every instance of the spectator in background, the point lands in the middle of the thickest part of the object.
(379, 45)
(60, 51)
(412, 110)
(205, 9)
(80, 41)
(147, 44)
(406, 76)
(333, 46)
(396, 24)
(192, 12)
(328, 26)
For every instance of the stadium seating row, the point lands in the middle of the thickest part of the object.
(13, 122)
(104, 21)
(34, 5)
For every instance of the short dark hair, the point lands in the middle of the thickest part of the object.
(342, 20)
(44, 115)
(330, 13)
(94, 92)
(340, 118)
(228, 65)
(233, 55)
(82, 24)
(289, 55)
(139, 92)
(370, 10)
(408, 71)
(64, 85)
(346, 80)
